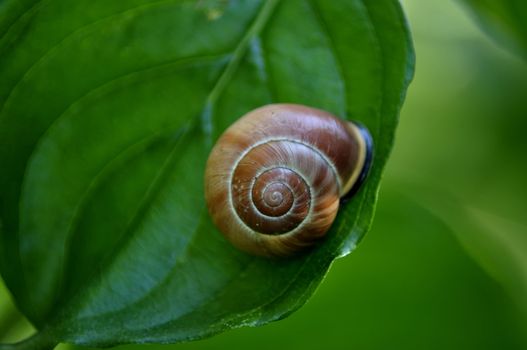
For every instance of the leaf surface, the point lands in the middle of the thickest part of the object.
(107, 113)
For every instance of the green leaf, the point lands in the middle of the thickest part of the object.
(107, 113)
(504, 20)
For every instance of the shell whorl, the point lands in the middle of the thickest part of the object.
(274, 178)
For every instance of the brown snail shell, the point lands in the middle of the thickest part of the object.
(274, 178)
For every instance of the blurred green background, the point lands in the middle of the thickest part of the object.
(445, 264)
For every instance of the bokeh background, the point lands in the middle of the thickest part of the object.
(445, 264)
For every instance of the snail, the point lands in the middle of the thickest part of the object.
(274, 179)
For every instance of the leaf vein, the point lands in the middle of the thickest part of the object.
(32, 8)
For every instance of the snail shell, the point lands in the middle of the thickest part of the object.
(274, 178)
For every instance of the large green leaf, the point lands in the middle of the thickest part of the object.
(108, 110)
(505, 20)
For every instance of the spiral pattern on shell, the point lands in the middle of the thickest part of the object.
(274, 178)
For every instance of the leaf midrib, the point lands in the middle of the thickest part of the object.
(254, 30)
